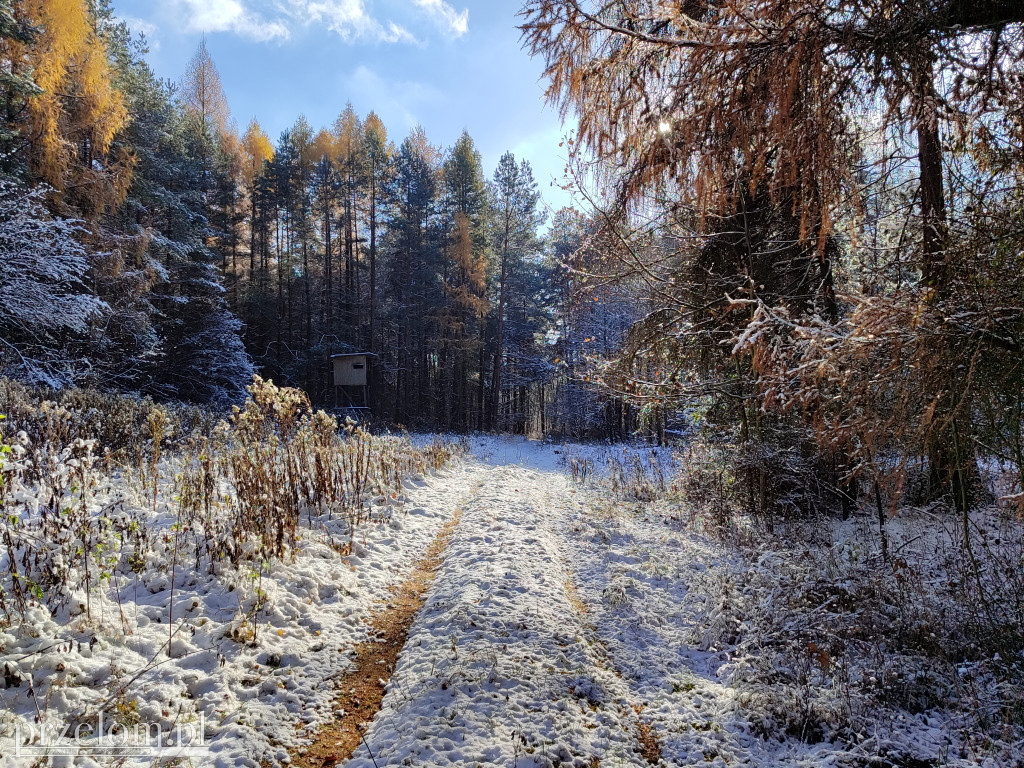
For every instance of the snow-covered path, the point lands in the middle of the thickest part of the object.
(500, 668)
(646, 584)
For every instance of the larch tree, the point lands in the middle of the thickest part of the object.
(258, 151)
(784, 116)
(202, 94)
(466, 281)
(74, 117)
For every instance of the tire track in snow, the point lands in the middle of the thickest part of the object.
(362, 687)
(499, 668)
(643, 581)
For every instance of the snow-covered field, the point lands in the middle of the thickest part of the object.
(564, 628)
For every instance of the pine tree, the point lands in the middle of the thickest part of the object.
(378, 154)
(414, 284)
(574, 404)
(305, 229)
(326, 186)
(468, 210)
(517, 217)
(350, 159)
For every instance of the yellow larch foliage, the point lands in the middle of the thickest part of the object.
(79, 110)
(375, 134)
(203, 94)
(470, 292)
(348, 135)
(324, 145)
(258, 150)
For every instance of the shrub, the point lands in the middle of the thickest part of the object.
(117, 424)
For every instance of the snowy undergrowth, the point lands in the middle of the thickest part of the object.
(253, 691)
(797, 651)
(217, 584)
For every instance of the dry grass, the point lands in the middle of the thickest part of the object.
(81, 477)
(650, 749)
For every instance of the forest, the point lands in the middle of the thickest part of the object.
(184, 253)
(722, 464)
(831, 243)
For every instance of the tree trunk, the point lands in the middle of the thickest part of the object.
(252, 232)
(480, 419)
(499, 341)
(373, 261)
(308, 294)
(328, 278)
(951, 471)
(933, 198)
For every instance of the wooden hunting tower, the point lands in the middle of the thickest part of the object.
(351, 379)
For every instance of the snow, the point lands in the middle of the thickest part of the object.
(653, 589)
(564, 625)
(553, 457)
(253, 697)
(500, 669)
(563, 618)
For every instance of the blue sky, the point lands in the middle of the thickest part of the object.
(444, 64)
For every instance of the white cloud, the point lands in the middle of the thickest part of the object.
(450, 20)
(351, 20)
(348, 18)
(140, 26)
(396, 33)
(232, 16)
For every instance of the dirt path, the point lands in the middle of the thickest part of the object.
(500, 668)
(361, 690)
(552, 626)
